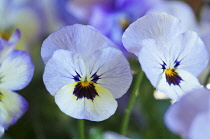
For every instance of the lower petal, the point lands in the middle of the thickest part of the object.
(12, 107)
(187, 83)
(100, 108)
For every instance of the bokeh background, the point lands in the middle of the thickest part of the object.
(39, 18)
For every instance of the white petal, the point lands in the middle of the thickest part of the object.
(80, 38)
(200, 126)
(16, 70)
(160, 27)
(12, 107)
(175, 92)
(114, 69)
(189, 49)
(61, 68)
(101, 108)
(180, 116)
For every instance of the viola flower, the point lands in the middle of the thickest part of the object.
(14, 13)
(16, 71)
(112, 20)
(187, 118)
(170, 57)
(84, 72)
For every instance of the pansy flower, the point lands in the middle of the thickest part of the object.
(170, 57)
(84, 72)
(16, 71)
(189, 119)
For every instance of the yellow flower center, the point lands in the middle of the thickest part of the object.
(170, 72)
(5, 35)
(124, 23)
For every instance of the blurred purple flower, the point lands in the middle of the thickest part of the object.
(112, 20)
(16, 71)
(190, 116)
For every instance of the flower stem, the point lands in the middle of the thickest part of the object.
(131, 103)
(81, 129)
(207, 79)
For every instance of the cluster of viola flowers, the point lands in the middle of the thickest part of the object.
(86, 72)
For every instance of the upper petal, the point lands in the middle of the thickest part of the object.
(179, 117)
(158, 26)
(12, 107)
(61, 69)
(16, 70)
(113, 70)
(100, 108)
(83, 39)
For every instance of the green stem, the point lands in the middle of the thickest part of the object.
(81, 129)
(207, 78)
(131, 103)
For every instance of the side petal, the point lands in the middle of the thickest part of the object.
(113, 70)
(102, 107)
(179, 116)
(16, 70)
(152, 58)
(175, 92)
(158, 26)
(12, 107)
(61, 69)
(80, 38)
(191, 52)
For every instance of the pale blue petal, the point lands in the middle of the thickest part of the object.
(113, 70)
(179, 9)
(16, 70)
(200, 126)
(12, 107)
(61, 69)
(82, 39)
(179, 117)
(160, 27)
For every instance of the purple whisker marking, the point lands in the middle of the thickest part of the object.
(76, 77)
(163, 65)
(176, 63)
(95, 77)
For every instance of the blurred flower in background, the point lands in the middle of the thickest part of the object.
(23, 15)
(190, 116)
(16, 71)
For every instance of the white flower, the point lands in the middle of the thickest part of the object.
(170, 58)
(84, 72)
